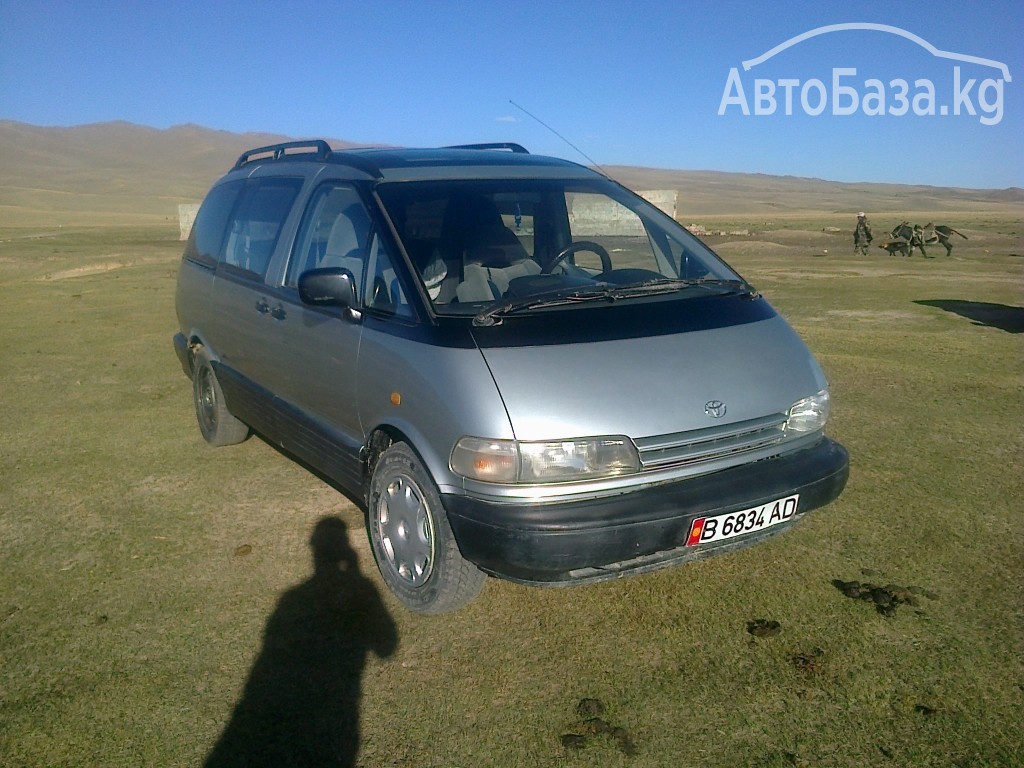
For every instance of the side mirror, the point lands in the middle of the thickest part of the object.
(328, 287)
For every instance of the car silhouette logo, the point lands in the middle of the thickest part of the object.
(940, 54)
(714, 408)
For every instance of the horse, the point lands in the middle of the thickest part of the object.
(911, 235)
(940, 234)
(916, 238)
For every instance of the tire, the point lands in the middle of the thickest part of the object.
(216, 423)
(412, 542)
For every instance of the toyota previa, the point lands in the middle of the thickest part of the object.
(513, 364)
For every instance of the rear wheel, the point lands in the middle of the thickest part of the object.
(216, 423)
(413, 544)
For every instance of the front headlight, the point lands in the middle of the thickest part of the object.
(809, 414)
(553, 461)
(558, 461)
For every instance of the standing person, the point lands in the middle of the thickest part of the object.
(917, 241)
(862, 234)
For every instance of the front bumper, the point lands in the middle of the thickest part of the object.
(599, 539)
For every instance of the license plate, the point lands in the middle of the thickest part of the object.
(705, 530)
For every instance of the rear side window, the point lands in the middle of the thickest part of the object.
(255, 226)
(207, 236)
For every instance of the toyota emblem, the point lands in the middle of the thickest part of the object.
(714, 408)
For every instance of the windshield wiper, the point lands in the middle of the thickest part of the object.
(492, 314)
(605, 292)
(669, 284)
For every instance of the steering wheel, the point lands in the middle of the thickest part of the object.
(581, 245)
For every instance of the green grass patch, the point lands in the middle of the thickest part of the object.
(160, 599)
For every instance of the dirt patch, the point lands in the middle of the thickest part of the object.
(886, 599)
(592, 725)
(32, 236)
(875, 316)
(85, 270)
(750, 247)
(808, 662)
(764, 627)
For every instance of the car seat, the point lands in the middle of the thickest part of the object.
(491, 254)
(346, 243)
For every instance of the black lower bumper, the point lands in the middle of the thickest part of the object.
(181, 350)
(639, 530)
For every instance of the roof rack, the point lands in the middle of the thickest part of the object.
(318, 148)
(519, 149)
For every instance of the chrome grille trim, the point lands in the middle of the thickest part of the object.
(696, 447)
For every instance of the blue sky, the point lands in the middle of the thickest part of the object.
(637, 83)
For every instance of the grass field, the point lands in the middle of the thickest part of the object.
(159, 598)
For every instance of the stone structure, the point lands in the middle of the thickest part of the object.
(665, 199)
(186, 216)
(594, 215)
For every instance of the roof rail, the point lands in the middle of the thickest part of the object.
(318, 148)
(519, 149)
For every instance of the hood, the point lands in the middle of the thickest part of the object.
(644, 386)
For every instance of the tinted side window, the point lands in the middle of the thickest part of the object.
(256, 225)
(207, 234)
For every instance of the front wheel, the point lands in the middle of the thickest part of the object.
(413, 544)
(218, 425)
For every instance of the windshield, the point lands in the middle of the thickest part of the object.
(487, 247)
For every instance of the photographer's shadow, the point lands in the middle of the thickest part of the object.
(300, 706)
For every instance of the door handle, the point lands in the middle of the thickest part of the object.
(278, 312)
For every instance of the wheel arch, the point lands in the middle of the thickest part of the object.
(384, 435)
(194, 343)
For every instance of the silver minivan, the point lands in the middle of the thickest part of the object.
(513, 364)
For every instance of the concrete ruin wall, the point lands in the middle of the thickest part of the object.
(592, 215)
(186, 217)
(665, 199)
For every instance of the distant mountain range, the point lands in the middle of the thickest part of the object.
(120, 172)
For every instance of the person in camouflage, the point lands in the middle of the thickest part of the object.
(917, 240)
(862, 234)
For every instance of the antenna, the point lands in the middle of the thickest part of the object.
(588, 157)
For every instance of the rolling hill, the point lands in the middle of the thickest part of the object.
(120, 172)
